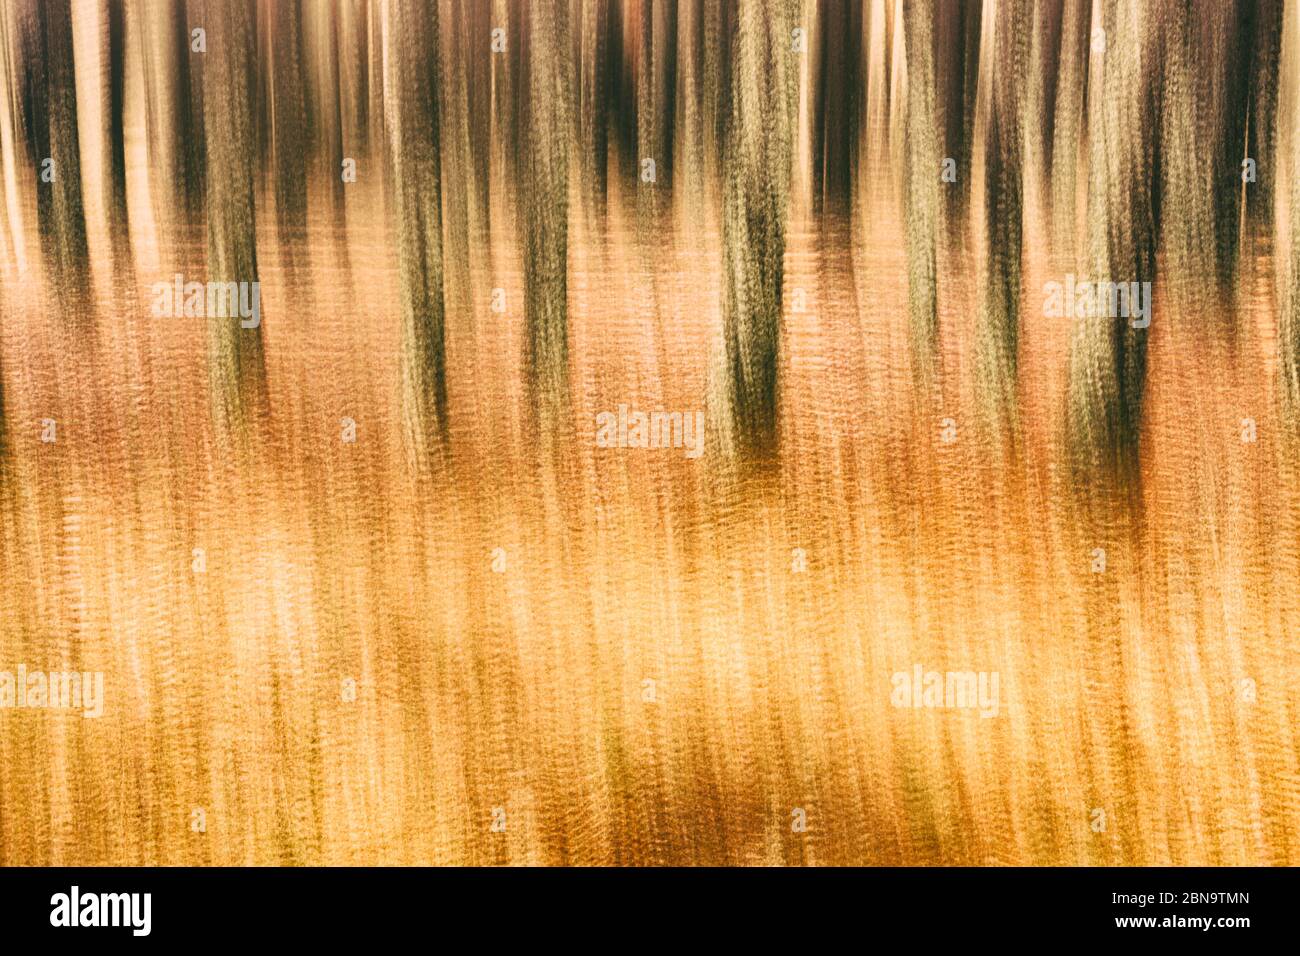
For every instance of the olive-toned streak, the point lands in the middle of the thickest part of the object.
(545, 105)
(921, 183)
(464, 165)
(592, 95)
(1204, 107)
(957, 41)
(998, 332)
(1107, 365)
(11, 238)
(755, 207)
(477, 21)
(1286, 158)
(411, 64)
(236, 368)
(1263, 35)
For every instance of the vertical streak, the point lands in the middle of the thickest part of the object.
(755, 207)
(1287, 216)
(1070, 114)
(545, 105)
(957, 41)
(235, 360)
(173, 113)
(921, 188)
(411, 79)
(49, 92)
(286, 134)
(999, 326)
(1107, 355)
(593, 101)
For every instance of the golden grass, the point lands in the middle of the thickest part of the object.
(1162, 691)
